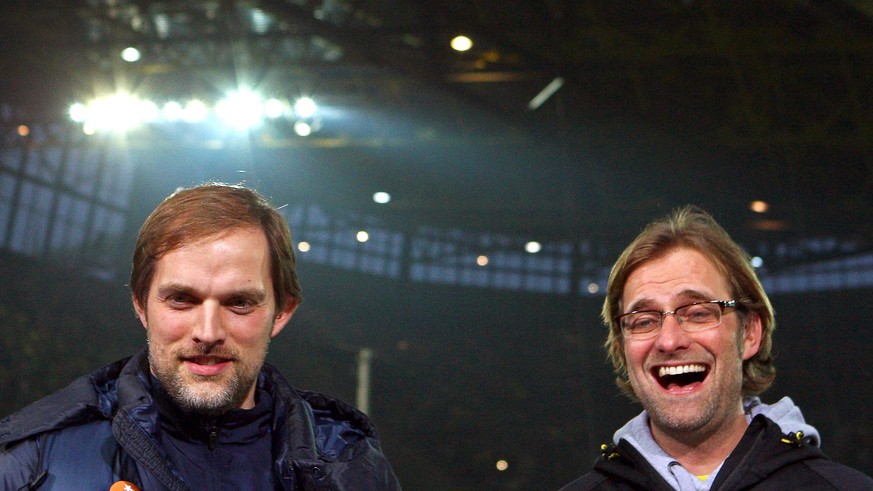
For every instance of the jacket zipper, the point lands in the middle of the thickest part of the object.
(212, 438)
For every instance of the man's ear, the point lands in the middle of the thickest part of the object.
(283, 316)
(751, 336)
(140, 312)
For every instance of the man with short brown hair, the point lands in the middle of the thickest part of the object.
(690, 330)
(213, 281)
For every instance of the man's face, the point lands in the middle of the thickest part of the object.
(709, 397)
(210, 315)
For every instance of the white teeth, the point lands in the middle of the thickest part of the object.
(680, 370)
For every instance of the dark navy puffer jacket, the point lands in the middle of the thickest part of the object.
(765, 459)
(104, 427)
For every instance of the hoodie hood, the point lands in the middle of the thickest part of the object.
(637, 433)
(785, 414)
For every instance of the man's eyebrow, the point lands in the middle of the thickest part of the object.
(169, 289)
(641, 304)
(688, 296)
(695, 295)
(255, 294)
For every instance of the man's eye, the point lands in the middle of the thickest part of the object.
(645, 322)
(179, 301)
(242, 305)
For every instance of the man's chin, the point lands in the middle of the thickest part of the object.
(204, 404)
(204, 396)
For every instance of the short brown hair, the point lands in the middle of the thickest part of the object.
(192, 214)
(692, 227)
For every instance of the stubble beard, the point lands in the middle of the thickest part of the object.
(203, 395)
(698, 421)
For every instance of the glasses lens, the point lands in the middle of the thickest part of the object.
(699, 316)
(641, 323)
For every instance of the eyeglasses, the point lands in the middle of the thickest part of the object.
(694, 317)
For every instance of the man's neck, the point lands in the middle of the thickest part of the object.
(701, 452)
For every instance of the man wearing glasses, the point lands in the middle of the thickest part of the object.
(690, 338)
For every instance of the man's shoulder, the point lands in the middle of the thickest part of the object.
(85, 399)
(337, 426)
(324, 409)
(840, 476)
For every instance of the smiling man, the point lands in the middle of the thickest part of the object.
(690, 330)
(213, 281)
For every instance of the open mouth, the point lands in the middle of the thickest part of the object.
(679, 376)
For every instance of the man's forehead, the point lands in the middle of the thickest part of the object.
(197, 240)
(679, 274)
(238, 251)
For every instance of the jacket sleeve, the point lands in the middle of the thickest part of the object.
(19, 465)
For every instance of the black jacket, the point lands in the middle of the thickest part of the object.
(104, 427)
(765, 459)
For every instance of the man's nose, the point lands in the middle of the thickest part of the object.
(671, 336)
(210, 325)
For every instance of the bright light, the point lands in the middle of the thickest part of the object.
(195, 111)
(242, 109)
(757, 262)
(533, 247)
(260, 21)
(362, 236)
(593, 288)
(118, 112)
(759, 206)
(461, 43)
(172, 111)
(274, 108)
(149, 111)
(303, 246)
(305, 107)
(23, 130)
(381, 197)
(302, 128)
(482, 260)
(130, 55)
(501, 465)
(78, 112)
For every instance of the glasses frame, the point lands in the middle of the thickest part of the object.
(722, 304)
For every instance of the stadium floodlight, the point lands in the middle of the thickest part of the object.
(195, 111)
(533, 247)
(275, 108)
(131, 55)
(172, 111)
(461, 43)
(381, 197)
(305, 107)
(242, 109)
(78, 112)
(302, 128)
(118, 112)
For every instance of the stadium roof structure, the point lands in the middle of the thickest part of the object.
(563, 120)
